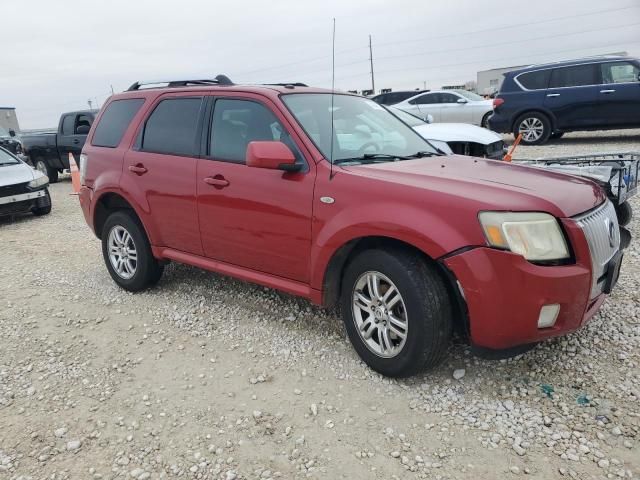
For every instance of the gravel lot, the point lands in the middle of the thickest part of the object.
(206, 377)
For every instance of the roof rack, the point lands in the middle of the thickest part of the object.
(287, 84)
(218, 80)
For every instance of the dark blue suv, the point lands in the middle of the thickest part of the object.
(544, 101)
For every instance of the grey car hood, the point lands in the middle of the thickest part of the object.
(14, 174)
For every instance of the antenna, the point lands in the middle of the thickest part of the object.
(333, 89)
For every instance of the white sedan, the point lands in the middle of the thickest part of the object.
(457, 106)
(459, 138)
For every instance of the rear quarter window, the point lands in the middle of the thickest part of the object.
(534, 80)
(114, 122)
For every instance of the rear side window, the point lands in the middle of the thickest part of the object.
(619, 72)
(425, 99)
(114, 122)
(68, 123)
(577, 76)
(171, 128)
(535, 80)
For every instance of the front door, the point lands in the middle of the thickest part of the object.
(619, 94)
(160, 171)
(572, 96)
(252, 217)
(451, 111)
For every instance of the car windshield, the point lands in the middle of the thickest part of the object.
(407, 118)
(469, 95)
(364, 131)
(7, 159)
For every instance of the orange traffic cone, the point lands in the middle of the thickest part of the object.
(75, 174)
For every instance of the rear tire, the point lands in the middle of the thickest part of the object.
(535, 128)
(127, 252)
(424, 308)
(43, 167)
(485, 120)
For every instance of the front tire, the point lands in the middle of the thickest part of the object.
(535, 128)
(127, 252)
(624, 213)
(44, 168)
(396, 311)
(43, 205)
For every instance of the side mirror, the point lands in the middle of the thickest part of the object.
(271, 155)
(428, 118)
(462, 101)
(12, 133)
(83, 130)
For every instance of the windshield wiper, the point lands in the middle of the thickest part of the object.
(426, 154)
(371, 158)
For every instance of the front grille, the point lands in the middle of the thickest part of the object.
(600, 226)
(493, 150)
(16, 189)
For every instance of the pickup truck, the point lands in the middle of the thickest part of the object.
(49, 152)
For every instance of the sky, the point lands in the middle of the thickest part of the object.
(58, 55)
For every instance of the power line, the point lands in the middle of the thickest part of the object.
(448, 50)
(514, 25)
(492, 29)
(475, 62)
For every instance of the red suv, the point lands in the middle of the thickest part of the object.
(331, 197)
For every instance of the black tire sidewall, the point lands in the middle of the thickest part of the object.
(484, 123)
(411, 359)
(39, 211)
(545, 122)
(147, 267)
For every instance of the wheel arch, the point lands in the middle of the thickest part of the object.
(334, 272)
(108, 203)
(543, 111)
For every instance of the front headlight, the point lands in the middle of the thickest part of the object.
(534, 235)
(38, 181)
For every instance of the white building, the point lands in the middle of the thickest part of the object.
(8, 119)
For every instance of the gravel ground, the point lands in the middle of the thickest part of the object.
(205, 377)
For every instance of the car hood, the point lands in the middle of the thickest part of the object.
(490, 184)
(457, 132)
(13, 174)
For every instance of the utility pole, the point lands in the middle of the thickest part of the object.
(373, 83)
(90, 102)
(111, 89)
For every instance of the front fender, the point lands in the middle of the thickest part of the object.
(425, 230)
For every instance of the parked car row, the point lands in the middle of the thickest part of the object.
(334, 198)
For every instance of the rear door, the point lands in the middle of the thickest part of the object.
(619, 95)
(65, 139)
(253, 217)
(160, 171)
(573, 94)
(75, 128)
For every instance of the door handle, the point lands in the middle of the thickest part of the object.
(76, 141)
(553, 94)
(138, 169)
(607, 91)
(217, 181)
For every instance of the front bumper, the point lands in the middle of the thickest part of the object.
(20, 203)
(505, 293)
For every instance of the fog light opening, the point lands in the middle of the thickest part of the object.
(548, 315)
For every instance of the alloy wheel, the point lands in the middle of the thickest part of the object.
(531, 129)
(379, 314)
(122, 252)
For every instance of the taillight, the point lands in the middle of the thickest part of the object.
(497, 102)
(83, 167)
